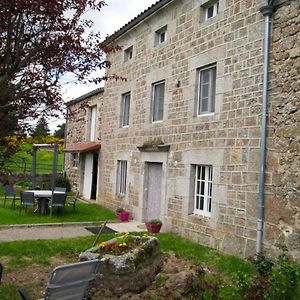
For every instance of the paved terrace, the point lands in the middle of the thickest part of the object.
(9, 233)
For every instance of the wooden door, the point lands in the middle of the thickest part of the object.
(154, 191)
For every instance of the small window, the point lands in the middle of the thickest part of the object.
(161, 35)
(212, 10)
(121, 177)
(203, 190)
(75, 160)
(128, 53)
(207, 90)
(158, 95)
(125, 109)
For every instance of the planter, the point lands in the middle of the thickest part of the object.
(123, 216)
(132, 270)
(153, 228)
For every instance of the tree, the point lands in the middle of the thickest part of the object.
(40, 41)
(60, 131)
(41, 128)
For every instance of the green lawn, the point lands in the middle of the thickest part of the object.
(84, 212)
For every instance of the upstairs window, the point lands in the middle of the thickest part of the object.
(121, 177)
(161, 35)
(158, 97)
(125, 109)
(128, 53)
(203, 190)
(211, 10)
(207, 90)
(93, 116)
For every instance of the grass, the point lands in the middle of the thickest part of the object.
(22, 254)
(22, 160)
(84, 212)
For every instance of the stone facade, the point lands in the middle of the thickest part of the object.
(78, 131)
(228, 139)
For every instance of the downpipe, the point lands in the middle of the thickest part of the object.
(267, 12)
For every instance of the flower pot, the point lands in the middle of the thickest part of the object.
(123, 216)
(153, 228)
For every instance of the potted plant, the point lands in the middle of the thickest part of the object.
(153, 226)
(122, 214)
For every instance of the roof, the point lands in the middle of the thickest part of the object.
(135, 21)
(83, 147)
(86, 96)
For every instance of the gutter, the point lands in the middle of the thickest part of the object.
(267, 12)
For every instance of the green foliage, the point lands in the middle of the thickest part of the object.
(263, 264)
(60, 132)
(63, 182)
(41, 128)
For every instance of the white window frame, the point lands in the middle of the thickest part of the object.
(121, 177)
(157, 111)
(93, 119)
(75, 160)
(203, 190)
(128, 53)
(211, 71)
(215, 7)
(159, 34)
(125, 110)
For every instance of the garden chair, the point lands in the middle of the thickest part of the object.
(27, 199)
(72, 200)
(57, 200)
(70, 282)
(60, 189)
(9, 194)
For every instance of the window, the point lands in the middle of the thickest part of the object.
(128, 53)
(93, 114)
(161, 35)
(125, 108)
(75, 160)
(203, 190)
(212, 10)
(158, 94)
(121, 177)
(207, 90)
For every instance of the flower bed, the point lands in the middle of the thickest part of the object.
(127, 263)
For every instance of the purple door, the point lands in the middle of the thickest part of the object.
(154, 190)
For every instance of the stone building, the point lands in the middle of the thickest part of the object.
(181, 137)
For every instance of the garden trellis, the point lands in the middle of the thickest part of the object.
(45, 147)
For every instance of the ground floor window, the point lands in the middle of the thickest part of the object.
(203, 190)
(121, 177)
(75, 160)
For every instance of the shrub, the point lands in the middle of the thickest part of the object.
(63, 182)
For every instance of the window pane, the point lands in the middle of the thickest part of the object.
(210, 12)
(207, 91)
(158, 101)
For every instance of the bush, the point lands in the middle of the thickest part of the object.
(63, 182)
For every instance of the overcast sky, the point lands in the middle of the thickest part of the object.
(111, 18)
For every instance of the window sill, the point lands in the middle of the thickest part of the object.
(206, 115)
(157, 122)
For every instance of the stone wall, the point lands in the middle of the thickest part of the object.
(78, 132)
(42, 180)
(283, 161)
